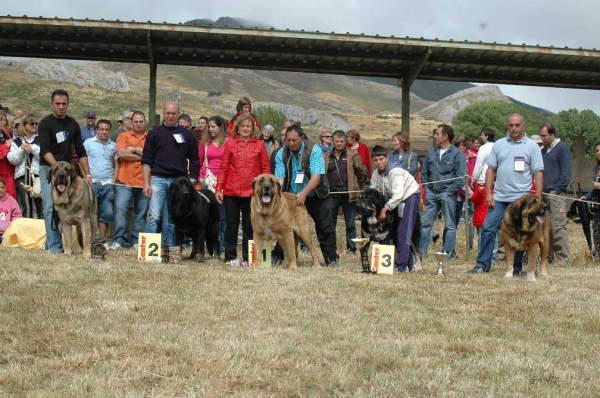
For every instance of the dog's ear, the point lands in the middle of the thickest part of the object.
(72, 173)
(278, 188)
(49, 174)
(254, 185)
(516, 212)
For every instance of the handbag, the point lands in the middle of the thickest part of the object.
(209, 180)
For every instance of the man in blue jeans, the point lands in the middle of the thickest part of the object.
(444, 167)
(167, 151)
(58, 133)
(514, 161)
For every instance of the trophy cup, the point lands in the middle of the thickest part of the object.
(360, 243)
(441, 257)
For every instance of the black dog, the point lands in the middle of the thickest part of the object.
(195, 214)
(369, 206)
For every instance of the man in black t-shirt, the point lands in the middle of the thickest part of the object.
(57, 132)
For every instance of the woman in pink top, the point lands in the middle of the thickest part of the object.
(212, 149)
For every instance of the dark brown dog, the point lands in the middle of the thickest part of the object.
(75, 202)
(277, 216)
(526, 227)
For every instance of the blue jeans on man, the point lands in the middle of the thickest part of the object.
(159, 218)
(53, 236)
(488, 239)
(123, 196)
(343, 201)
(105, 195)
(433, 202)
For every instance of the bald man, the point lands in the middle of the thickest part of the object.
(167, 150)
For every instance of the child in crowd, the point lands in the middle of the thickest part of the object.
(9, 209)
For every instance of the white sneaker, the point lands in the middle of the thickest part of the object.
(135, 247)
(106, 246)
(116, 246)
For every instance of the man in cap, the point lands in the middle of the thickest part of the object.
(89, 130)
(126, 126)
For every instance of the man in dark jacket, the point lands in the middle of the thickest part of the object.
(442, 177)
(557, 176)
(167, 150)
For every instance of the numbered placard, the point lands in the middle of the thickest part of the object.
(382, 259)
(149, 248)
(265, 255)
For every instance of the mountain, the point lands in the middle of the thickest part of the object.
(429, 90)
(541, 111)
(446, 109)
(228, 21)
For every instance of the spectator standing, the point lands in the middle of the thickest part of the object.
(201, 130)
(185, 121)
(301, 170)
(104, 168)
(7, 170)
(345, 170)
(557, 176)
(326, 141)
(9, 209)
(25, 156)
(167, 151)
(130, 183)
(404, 196)
(362, 149)
(244, 106)
(594, 194)
(124, 126)
(444, 167)
(270, 142)
(90, 129)
(58, 134)
(402, 155)
(244, 158)
(513, 161)
(211, 156)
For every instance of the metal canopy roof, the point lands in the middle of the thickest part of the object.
(299, 51)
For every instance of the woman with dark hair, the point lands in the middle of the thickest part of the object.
(362, 149)
(201, 129)
(244, 106)
(211, 154)
(7, 170)
(25, 156)
(245, 157)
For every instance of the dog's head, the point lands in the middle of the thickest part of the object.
(181, 190)
(528, 212)
(266, 189)
(371, 200)
(61, 175)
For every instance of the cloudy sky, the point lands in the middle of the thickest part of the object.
(546, 22)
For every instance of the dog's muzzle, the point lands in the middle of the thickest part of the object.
(266, 194)
(61, 182)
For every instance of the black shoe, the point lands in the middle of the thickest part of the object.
(333, 264)
(451, 257)
(476, 270)
(436, 237)
(516, 272)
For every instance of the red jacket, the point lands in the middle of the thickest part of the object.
(241, 163)
(7, 170)
(231, 124)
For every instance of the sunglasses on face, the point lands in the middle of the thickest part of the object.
(325, 136)
(32, 123)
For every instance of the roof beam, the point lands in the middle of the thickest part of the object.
(411, 76)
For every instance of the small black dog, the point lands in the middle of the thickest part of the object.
(369, 206)
(195, 214)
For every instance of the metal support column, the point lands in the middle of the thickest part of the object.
(152, 87)
(407, 81)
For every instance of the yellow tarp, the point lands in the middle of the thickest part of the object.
(27, 233)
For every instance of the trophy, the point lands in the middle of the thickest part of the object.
(360, 243)
(441, 257)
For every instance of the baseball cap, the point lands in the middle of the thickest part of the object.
(90, 114)
(120, 119)
(537, 139)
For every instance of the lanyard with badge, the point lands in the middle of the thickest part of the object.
(300, 171)
(62, 136)
(179, 138)
(519, 163)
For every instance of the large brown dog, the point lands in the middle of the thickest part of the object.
(525, 227)
(75, 202)
(277, 216)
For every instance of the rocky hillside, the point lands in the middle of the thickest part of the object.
(446, 109)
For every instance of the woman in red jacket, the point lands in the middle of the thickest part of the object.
(245, 157)
(7, 170)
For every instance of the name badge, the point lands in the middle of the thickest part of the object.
(299, 177)
(62, 136)
(179, 138)
(519, 163)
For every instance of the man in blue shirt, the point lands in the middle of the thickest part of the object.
(89, 130)
(513, 162)
(300, 168)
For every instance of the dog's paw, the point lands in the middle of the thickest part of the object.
(509, 274)
(531, 276)
(200, 258)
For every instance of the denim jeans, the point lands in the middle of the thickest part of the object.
(159, 219)
(495, 252)
(489, 238)
(123, 197)
(53, 237)
(433, 202)
(343, 201)
(105, 194)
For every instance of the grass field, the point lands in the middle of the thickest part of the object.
(74, 327)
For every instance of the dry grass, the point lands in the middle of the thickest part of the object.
(118, 327)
